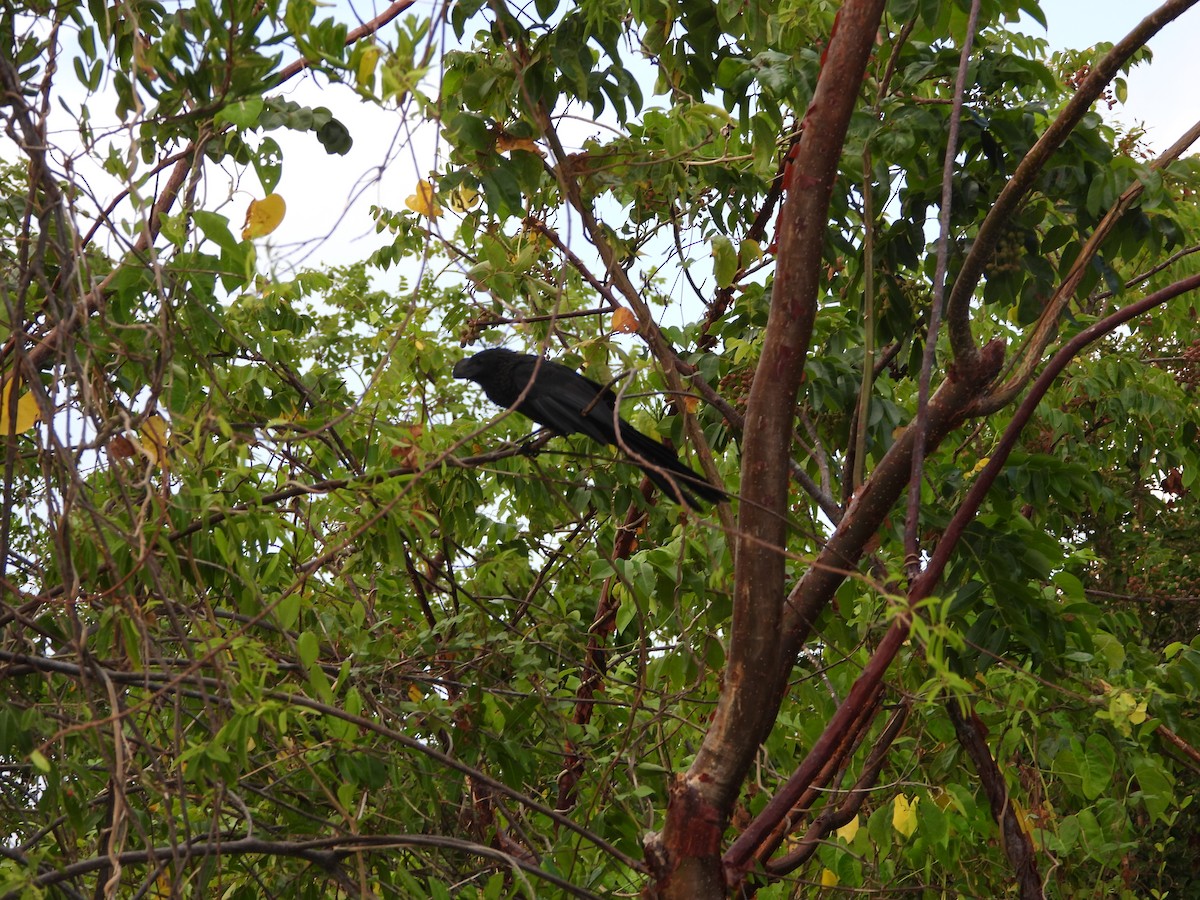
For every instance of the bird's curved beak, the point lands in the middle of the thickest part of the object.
(461, 369)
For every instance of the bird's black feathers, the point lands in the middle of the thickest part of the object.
(568, 403)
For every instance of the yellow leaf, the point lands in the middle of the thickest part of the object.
(624, 321)
(263, 216)
(849, 830)
(829, 878)
(27, 410)
(1023, 818)
(979, 466)
(153, 438)
(506, 142)
(464, 199)
(366, 65)
(422, 201)
(1138, 714)
(414, 694)
(904, 815)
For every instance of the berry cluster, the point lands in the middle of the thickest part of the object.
(1188, 374)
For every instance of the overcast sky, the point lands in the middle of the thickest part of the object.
(1166, 93)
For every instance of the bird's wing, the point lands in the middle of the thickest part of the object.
(559, 398)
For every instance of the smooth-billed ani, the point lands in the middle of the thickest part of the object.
(568, 403)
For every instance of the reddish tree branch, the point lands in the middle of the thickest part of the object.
(686, 854)
(1047, 324)
(848, 744)
(948, 407)
(1188, 750)
(833, 816)
(984, 480)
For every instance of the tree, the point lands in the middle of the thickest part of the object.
(290, 612)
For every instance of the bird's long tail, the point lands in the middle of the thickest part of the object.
(663, 468)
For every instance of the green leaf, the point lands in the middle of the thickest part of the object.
(287, 611)
(335, 138)
(39, 761)
(1097, 766)
(503, 192)
(1071, 586)
(268, 164)
(1120, 90)
(1156, 787)
(308, 647)
(216, 228)
(242, 114)
(470, 132)
(933, 823)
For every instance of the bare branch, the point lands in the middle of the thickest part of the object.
(929, 357)
(1017, 844)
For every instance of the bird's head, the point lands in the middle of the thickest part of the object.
(464, 368)
(472, 367)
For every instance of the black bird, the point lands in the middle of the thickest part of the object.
(568, 403)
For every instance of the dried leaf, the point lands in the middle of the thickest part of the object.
(121, 447)
(1023, 819)
(407, 451)
(849, 830)
(506, 142)
(624, 321)
(366, 65)
(464, 199)
(1137, 715)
